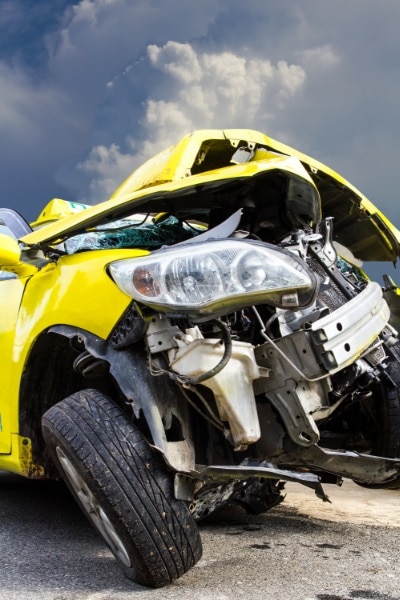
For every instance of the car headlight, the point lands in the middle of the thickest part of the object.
(207, 279)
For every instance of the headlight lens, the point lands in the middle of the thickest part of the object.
(194, 279)
(212, 278)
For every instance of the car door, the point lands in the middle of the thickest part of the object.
(11, 291)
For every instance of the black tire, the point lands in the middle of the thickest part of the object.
(386, 438)
(123, 487)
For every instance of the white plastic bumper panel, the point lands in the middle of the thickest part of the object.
(343, 335)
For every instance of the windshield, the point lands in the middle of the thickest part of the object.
(143, 231)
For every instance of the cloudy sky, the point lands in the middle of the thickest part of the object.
(91, 88)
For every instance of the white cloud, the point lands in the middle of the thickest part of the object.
(201, 90)
(178, 60)
(109, 165)
(165, 120)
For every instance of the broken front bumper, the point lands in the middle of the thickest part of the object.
(343, 336)
(301, 363)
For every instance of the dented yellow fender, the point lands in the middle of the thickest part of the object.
(76, 292)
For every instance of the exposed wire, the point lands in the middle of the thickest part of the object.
(187, 380)
(214, 420)
(286, 359)
(226, 338)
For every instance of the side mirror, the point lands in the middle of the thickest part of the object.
(10, 257)
(10, 252)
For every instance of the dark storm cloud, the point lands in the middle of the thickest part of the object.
(48, 106)
(24, 25)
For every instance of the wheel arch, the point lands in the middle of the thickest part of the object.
(154, 403)
(48, 377)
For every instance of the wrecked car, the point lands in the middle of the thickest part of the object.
(204, 336)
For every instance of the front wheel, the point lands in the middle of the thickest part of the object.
(123, 487)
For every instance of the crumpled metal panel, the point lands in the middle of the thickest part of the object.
(343, 335)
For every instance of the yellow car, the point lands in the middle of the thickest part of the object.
(205, 335)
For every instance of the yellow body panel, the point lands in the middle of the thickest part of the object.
(57, 209)
(176, 162)
(133, 200)
(171, 164)
(76, 291)
(9, 307)
(21, 461)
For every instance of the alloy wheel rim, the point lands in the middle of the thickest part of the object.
(93, 508)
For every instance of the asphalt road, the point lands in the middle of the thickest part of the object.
(302, 550)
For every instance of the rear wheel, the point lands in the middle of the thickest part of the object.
(123, 487)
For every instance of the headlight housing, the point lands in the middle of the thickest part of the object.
(209, 279)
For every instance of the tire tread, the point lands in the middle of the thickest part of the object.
(132, 481)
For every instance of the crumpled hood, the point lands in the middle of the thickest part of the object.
(202, 163)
